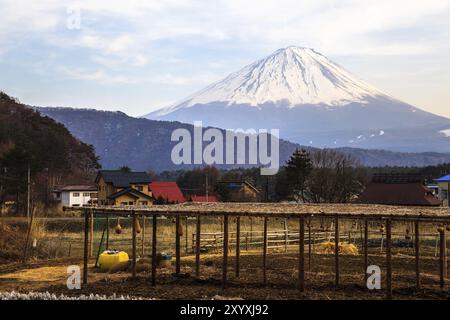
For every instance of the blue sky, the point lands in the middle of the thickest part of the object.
(136, 56)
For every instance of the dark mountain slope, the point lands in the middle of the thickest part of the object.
(144, 144)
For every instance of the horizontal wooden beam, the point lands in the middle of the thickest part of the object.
(440, 215)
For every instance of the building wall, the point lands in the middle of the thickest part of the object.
(244, 194)
(145, 189)
(105, 190)
(444, 193)
(68, 198)
(128, 200)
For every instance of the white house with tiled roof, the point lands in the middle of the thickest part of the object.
(76, 196)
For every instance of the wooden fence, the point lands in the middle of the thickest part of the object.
(274, 239)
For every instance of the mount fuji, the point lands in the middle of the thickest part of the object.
(313, 101)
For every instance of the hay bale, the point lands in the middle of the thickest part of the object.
(328, 247)
(348, 248)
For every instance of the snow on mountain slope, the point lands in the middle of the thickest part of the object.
(312, 101)
(291, 76)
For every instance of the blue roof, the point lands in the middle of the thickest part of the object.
(443, 179)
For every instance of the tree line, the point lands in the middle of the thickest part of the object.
(319, 176)
(32, 143)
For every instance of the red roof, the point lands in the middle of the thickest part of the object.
(211, 198)
(168, 190)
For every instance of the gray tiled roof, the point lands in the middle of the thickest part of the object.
(122, 179)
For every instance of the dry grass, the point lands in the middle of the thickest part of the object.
(281, 272)
(50, 275)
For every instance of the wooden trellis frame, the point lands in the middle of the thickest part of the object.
(266, 211)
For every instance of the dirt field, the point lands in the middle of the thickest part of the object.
(282, 279)
(60, 243)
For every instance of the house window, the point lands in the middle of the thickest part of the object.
(86, 194)
(76, 194)
(140, 188)
(131, 203)
(94, 195)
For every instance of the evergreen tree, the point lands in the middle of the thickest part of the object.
(298, 169)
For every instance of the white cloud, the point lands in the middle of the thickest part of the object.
(166, 41)
(331, 26)
(196, 79)
(98, 76)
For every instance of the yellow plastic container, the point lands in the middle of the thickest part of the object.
(113, 261)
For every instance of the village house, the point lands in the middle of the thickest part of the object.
(119, 188)
(166, 192)
(239, 191)
(398, 189)
(76, 195)
(444, 188)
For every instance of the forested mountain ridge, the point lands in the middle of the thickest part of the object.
(28, 139)
(144, 144)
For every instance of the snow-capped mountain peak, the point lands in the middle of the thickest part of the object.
(291, 76)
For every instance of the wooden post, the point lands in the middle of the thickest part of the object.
(177, 245)
(225, 252)
(442, 258)
(286, 233)
(417, 251)
(301, 258)
(366, 249)
(388, 259)
(197, 247)
(186, 236)
(143, 237)
(91, 235)
(309, 246)
(154, 262)
(215, 243)
(251, 230)
(336, 250)
(107, 231)
(238, 245)
(27, 241)
(246, 241)
(86, 247)
(265, 252)
(133, 233)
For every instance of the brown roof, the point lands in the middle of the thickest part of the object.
(401, 194)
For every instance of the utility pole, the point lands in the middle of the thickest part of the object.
(28, 191)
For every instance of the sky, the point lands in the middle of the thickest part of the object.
(137, 56)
